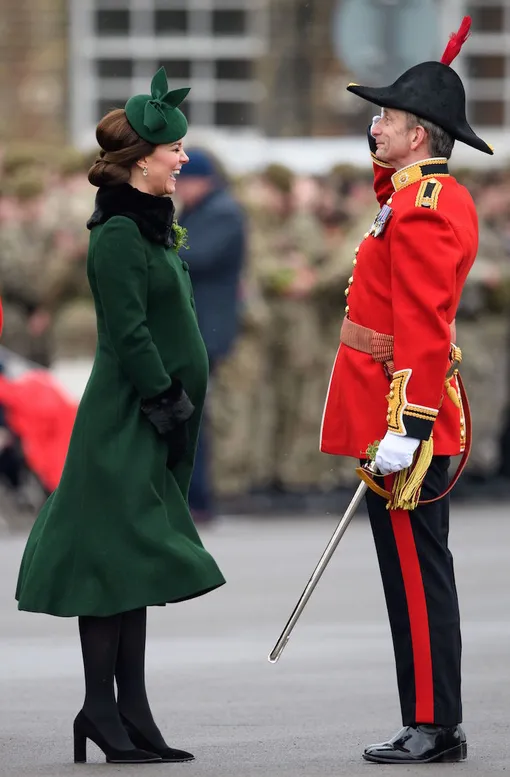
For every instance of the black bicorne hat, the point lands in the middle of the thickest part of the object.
(432, 91)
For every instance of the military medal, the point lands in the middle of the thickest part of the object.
(381, 221)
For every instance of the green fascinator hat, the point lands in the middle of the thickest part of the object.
(156, 117)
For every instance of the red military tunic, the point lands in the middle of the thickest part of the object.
(407, 282)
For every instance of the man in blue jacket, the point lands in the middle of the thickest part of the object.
(217, 244)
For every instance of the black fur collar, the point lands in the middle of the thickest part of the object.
(154, 216)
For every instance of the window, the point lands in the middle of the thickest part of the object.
(104, 106)
(176, 68)
(486, 67)
(234, 69)
(170, 22)
(488, 18)
(229, 22)
(114, 68)
(112, 22)
(487, 113)
(233, 114)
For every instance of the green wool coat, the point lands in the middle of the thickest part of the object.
(117, 533)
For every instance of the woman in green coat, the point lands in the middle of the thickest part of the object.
(117, 536)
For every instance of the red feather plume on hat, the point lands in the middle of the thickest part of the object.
(457, 40)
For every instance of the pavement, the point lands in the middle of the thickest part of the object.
(212, 688)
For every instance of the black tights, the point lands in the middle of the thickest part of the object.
(113, 648)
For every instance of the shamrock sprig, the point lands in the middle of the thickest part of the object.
(372, 450)
(180, 235)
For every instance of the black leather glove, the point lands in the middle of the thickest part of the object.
(177, 442)
(169, 413)
(170, 409)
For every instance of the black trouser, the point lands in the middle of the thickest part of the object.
(419, 585)
(201, 495)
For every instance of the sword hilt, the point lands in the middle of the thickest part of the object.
(368, 474)
(371, 468)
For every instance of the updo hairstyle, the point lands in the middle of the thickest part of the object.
(120, 147)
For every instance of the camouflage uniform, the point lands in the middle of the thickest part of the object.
(237, 465)
(289, 251)
(66, 289)
(482, 331)
(24, 246)
(277, 376)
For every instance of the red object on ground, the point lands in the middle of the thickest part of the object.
(41, 413)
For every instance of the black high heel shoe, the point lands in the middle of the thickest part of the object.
(167, 754)
(84, 729)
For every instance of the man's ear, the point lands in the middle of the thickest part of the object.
(419, 137)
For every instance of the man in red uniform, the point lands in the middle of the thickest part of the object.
(393, 382)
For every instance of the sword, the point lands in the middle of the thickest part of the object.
(321, 566)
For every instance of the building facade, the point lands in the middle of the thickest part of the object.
(214, 46)
(257, 68)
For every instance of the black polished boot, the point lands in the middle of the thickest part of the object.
(423, 743)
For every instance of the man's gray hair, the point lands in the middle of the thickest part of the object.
(440, 142)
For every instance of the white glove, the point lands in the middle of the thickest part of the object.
(375, 119)
(395, 452)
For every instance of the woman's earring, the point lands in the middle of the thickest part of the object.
(145, 172)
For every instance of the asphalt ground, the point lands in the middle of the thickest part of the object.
(212, 688)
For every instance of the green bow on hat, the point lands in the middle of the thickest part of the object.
(156, 117)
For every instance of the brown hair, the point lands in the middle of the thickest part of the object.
(120, 146)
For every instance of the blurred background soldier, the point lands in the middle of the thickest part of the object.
(294, 156)
(289, 253)
(25, 244)
(67, 296)
(216, 252)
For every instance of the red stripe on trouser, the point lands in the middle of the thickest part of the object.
(418, 615)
